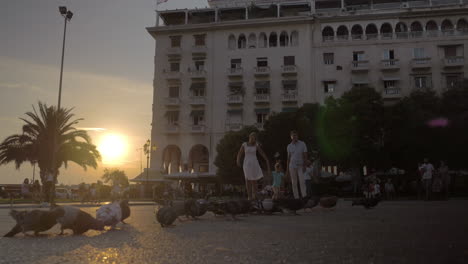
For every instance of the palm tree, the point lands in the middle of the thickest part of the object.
(46, 131)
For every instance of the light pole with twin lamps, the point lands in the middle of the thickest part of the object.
(67, 15)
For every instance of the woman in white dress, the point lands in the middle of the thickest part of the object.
(252, 170)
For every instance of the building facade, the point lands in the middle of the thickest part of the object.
(235, 63)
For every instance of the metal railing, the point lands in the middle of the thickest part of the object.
(235, 99)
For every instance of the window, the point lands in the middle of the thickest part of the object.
(389, 84)
(200, 40)
(450, 51)
(289, 60)
(262, 87)
(358, 55)
(290, 86)
(172, 117)
(262, 62)
(262, 40)
(175, 41)
(273, 40)
(199, 65)
(329, 87)
(236, 88)
(234, 117)
(198, 118)
(261, 118)
(241, 42)
(198, 89)
(174, 91)
(294, 38)
(453, 81)
(236, 63)
(422, 82)
(252, 41)
(175, 66)
(328, 58)
(419, 53)
(232, 42)
(389, 55)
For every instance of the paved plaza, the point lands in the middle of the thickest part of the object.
(394, 232)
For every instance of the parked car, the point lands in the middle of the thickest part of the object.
(62, 193)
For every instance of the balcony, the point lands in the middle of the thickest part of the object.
(235, 72)
(199, 50)
(360, 65)
(453, 61)
(197, 74)
(172, 129)
(416, 34)
(262, 70)
(197, 129)
(234, 127)
(421, 63)
(172, 101)
(198, 100)
(392, 93)
(174, 51)
(289, 69)
(289, 97)
(262, 98)
(235, 99)
(390, 64)
(172, 74)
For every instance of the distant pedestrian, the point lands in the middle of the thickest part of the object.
(36, 191)
(297, 155)
(308, 177)
(49, 188)
(389, 189)
(25, 189)
(427, 170)
(446, 179)
(277, 180)
(251, 166)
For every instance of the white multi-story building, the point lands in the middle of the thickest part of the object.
(230, 65)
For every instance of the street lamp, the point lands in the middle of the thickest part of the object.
(148, 148)
(67, 15)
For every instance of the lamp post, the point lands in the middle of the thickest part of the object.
(148, 148)
(67, 15)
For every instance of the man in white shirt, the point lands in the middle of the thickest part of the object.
(427, 170)
(297, 155)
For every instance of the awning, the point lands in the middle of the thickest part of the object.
(234, 111)
(172, 113)
(197, 112)
(289, 109)
(262, 85)
(390, 78)
(198, 85)
(289, 82)
(262, 110)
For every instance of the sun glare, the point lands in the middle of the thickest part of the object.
(112, 148)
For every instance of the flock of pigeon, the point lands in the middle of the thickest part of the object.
(191, 208)
(69, 217)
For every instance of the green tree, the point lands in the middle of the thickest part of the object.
(227, 150)
(116, 176)
(44, 131)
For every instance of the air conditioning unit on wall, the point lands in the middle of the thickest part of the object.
(405, 5)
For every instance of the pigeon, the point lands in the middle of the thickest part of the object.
(368, 203)
(245, 206)
(192, 209)
(203, 204)
(232, 208)
(113, 213)
(328, 201)
(215, 208)
(291, 204)
(35, 220)
(166, 216)
(78, 221)
(311, 203)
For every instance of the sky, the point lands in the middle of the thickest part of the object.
(107, 78)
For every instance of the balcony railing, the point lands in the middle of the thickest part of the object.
(289, 97)
(416, 34)
(196, 73)
(199, 49)
(197, 100)
(390, 64)
(235, 99)
(328, 38)
(197, 129)
(357, 37)
(262, 98)
(235, 72)
(372, 36)
(172, 129)
(171, 51)
(360, 65)
(172, 74)
(289, 69)
(262, 70)
(388, 35)
(421, 63)
(402, 35)
(392, 92)
(453, 61)
(234, 127)
(172, 101)
(342, 37)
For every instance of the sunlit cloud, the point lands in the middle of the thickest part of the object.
(97, 129)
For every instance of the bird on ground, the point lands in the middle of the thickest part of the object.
(192, 209)
(245, 206)
(166, 216)
(328, 201)
(113, 213)
(203, 204)
(368, 203)
(232, 208)
(77, 220)
(311, 203)
(35, 220)
(291, 204)
(216, 208)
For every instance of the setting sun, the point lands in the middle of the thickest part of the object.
(112, 148)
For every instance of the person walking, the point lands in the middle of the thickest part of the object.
(297, 155)
(277, 180)
(445, 177)
(251, 167)
(25, 189)
(427, 170)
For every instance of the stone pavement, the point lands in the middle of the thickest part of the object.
(394, 232)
